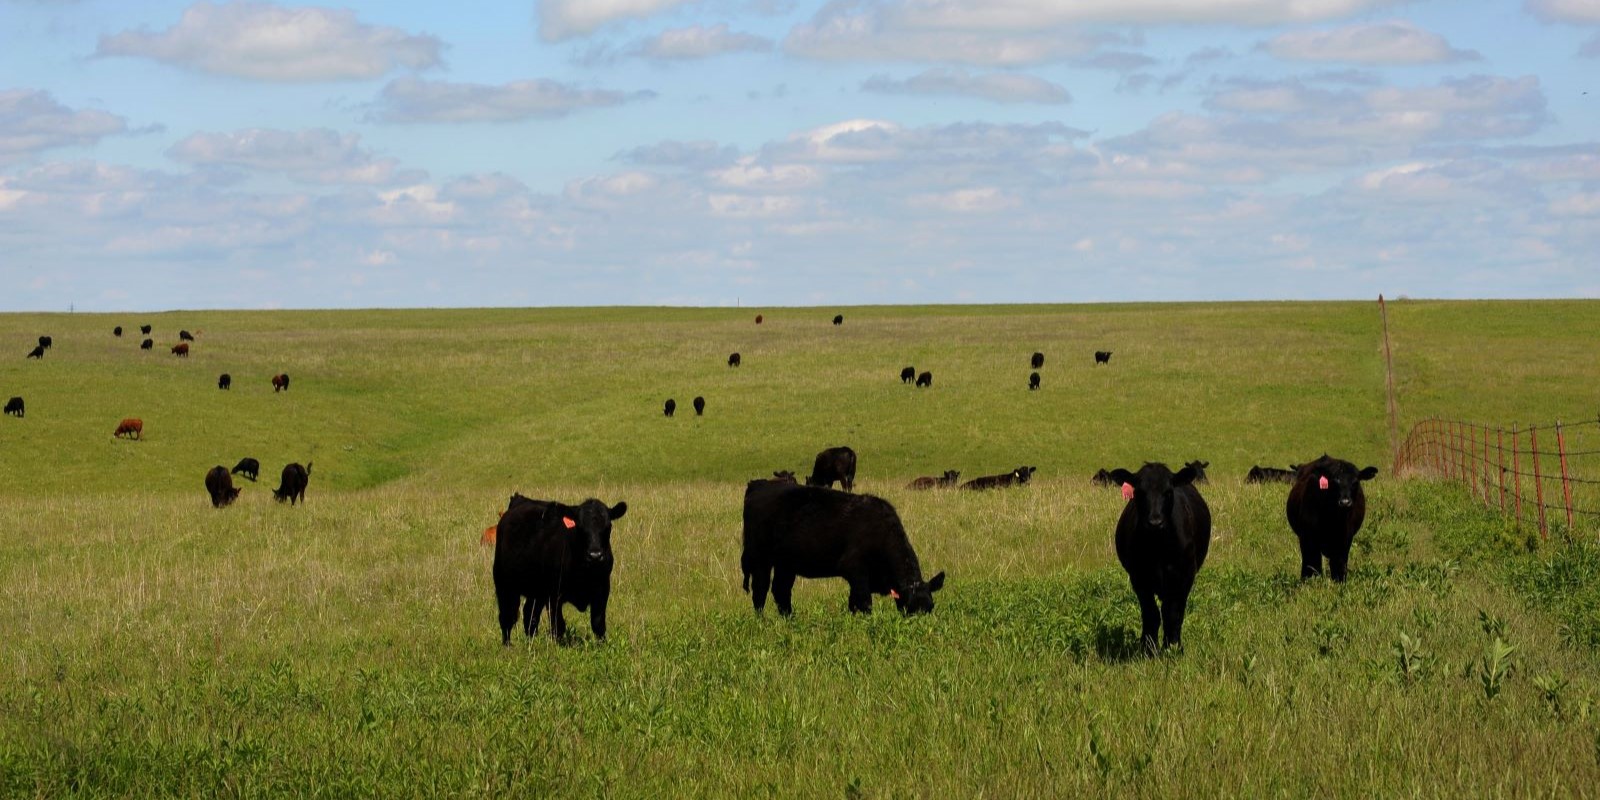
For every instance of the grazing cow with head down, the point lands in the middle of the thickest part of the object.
(148, 344)
(1326, 508)
(908, 374)
(225, 381)
(144, 329)
(220, 487)
(1259, 474)
(180, 349)
(929, 482)
(117, 331)
(292, 484)
(925, 380)
(1199, 468)
(14, 407)
(699, 406)
(670, 406)
(1037, 361)
(247, 467)
(554, 554)
(46, 342)
(812, 532)
(1162, 539)
(37, 352)
(1033, 381)
(185, 336)
(131, 427)
(838, 319)
(733, 360)
(280, 382)
(1102, 357)
(834, 464)
(1017, 477)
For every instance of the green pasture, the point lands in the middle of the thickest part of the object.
(152, 646)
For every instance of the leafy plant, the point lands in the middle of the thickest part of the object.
(1410, 658)
(1495, 667)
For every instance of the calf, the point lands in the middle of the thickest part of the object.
(247, 467)
(144, 329)
(812, 532)
(733, 360)
(180, 349)
(838, 319)
(929, 482)
(1033, 381)
(280, 382)
(1199, 468)
(220, 487)
(908, 374)
(1038, 361)
(925, 380)
(671, 406)
(37, 352)
(1326, 507)
(185, 336)
(148, 344)
(14, 407)
(225, 381)
(834, 464)
(131, 427)
(1017, 477)
(117, 331)
(699, 406)
(1162, 539)
(1102, 357)
(46, 342)
(292, 484)
(553, 554)
(491, 533)
(1271, 474)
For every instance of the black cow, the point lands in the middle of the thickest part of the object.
(925, 380)
(733, 360)
(1037, 361)
(224, 381)
(1162, 539)
(1103, 478)
(552, 554)
(1102, 357)
(783, 476)
(929, 482)
(147, 344)
(247, 467)
(1326, 507)
(1199, 468)
(144, 329)
(37, 352)
(908, 374)
(185, 336)
(292, 486)
(14, 407)
(838, 319)
(670, 407)
(834, 464)
(1260, 474)
(46, 342)
(758, 319)
(117, 331)
(280, 382)
(220, 487)
(1033, 381)
(699, 406)
(1017, 477)
(812, 532)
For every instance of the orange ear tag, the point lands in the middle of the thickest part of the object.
(567, 521)
(1127, 491)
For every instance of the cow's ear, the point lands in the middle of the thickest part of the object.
(937, 583)
(1184, 477)
(1121, 476)
(1368, 474)
(618, 510)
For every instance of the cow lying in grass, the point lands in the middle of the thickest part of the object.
(1016, 477)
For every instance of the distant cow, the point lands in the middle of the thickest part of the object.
(838, 319)
(554, 554)
(699, 406)
(14, 407)
(46, 342)
(1038, 361)
(248, 467)
(834, 464)
(1162, 539)
(185, 336)
(811, 532)
(758, 319)
(1102, 357)
(280, 383)
(220, 487)
(147, 344)
(144, 329)
(1199, 468)
(1103, 478)
(670, 407)
(1326, 507)
(1033, 381)
(1017, 477)
(1260, 474)
(929, 482)
(292, 484)
(908, 374)
(925, 380)
(224, 381)
(180, 349)
(131, 427)
(37, 352)
(117, 331)
(733, 360)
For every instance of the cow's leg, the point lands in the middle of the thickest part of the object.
(1339, 560)
(1149, 615)
(558, 623)
(1174, 601)
(597, 617)
(860, 593)
(508, 613)
(783, 591)
(1310, 558)
(759, 581)
(847, 482)
(530, 616)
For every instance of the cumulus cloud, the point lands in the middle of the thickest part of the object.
(1391, 42)
(1021, 14)
(1001, 87)
(1581, 12)
(31, 122)
(262, 41)
(565, 19)
(697, 41)
(419, 100)
(318, 156)
(852, 31)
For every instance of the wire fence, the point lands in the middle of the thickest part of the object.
(1541, 475)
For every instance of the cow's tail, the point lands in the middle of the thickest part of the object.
(747, 582)
(308, 469)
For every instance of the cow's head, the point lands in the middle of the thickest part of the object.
(1023, 474)
(1337, 479)
(588, 528)
(917, 597)
(783, 476)
(952, 475)
(1152, 488)
(1199, 468)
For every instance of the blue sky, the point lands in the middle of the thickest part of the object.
(776, 152)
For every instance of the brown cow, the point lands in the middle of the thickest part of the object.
(180, 349)
(280, 382)
(131, 427)
(930, 482)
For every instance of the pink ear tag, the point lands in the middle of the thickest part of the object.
(567, 521)
(894, 594)
(1127, 491)
(1322, 483)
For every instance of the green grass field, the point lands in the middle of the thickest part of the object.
(153, 646)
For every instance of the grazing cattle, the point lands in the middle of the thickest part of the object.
(838, 319)
(1162, 539)
(908, 374)
(929, 482)
(144, 329)
(46, 342)
(554, 554)
(37, 352)
(925, 380)
(220, 487)
(1038, 361)
(248, 467)
(280, 382)
(1033, 381)
(14, 407)
(1199, 468)
(733, 360)
(699, 406)
(180, 349)
(1271, 474)
(758, 319)
(670, 407)
(224, 381)
(1017, 477)
(1326, 507)
(834, 464)
(783, 476)
(811, 532)
(1103, 478)
(292, 484)
(148, 344)
(1102, 357)
(185, 336)
(117, 331)
(131, 427)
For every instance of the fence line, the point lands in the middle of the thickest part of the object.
(1459, 450)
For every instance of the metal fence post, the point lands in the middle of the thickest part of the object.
(1566, 486)
(1516, 472)
(1500, 458)
(1538, 480)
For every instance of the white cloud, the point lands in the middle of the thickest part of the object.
(1391, 42)
(848, 31)
(1001, 87)
(418, 100)
(747, 174)
(262, 41)
(1581, 12)
(697, 41)
(978, 200)
(319, 155)
(1023, 14)
(564, 19)
(31, 122)
(1581, 204)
